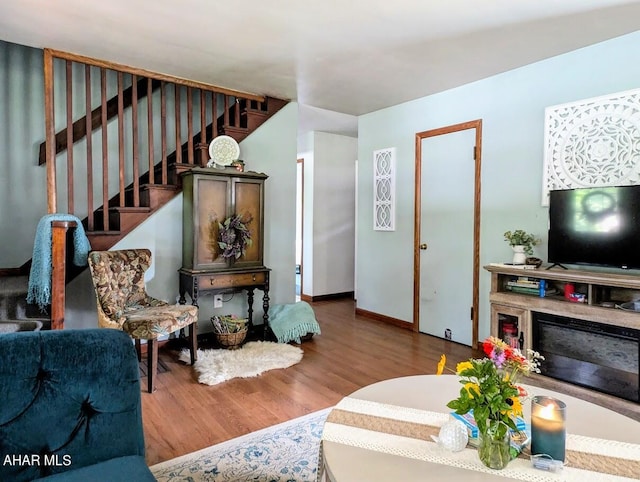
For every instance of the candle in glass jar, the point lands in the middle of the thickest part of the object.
(548, 432)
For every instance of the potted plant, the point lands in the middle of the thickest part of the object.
(522, 244)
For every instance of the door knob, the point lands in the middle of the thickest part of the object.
(423, 246)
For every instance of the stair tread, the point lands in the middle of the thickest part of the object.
(13, 284)
(27, 319)
(255, 111)
(129, 209)
(12, 326)
(235, 128)
(103, 233)
(171, 187)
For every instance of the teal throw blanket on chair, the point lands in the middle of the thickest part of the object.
(40, 275)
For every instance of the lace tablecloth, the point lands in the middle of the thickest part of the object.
(406, 432)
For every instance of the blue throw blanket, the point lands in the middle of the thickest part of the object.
(40, 276)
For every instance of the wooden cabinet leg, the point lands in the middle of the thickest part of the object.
(265, 316)
(250, 304)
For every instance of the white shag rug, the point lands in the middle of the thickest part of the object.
(253, 359)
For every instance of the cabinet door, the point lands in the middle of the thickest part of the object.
(247, 202)
(511, 325)
(211, 206)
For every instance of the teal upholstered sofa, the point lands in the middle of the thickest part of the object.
(70, 407)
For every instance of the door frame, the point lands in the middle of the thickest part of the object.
(477, 154)
(301, 163)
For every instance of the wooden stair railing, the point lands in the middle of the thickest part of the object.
(80, 126)
(139, 175)
(131, 139)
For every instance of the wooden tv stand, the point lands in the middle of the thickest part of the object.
(603, 292)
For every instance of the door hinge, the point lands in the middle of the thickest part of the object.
(471, 312)
(475, 153)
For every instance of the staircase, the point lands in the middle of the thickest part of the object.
(152, 195)
(15, 314)
(230, 113)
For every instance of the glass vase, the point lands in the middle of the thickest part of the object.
(494, 445)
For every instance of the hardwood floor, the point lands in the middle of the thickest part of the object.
(182, 416)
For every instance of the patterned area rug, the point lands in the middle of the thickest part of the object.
(287, 452)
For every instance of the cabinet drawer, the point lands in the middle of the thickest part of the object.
(230, 280)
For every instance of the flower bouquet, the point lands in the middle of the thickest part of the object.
(490, 390)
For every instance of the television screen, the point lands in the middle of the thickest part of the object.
(599, 226)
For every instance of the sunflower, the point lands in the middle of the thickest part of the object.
(462, 366)
(516, 407)
(472, 387)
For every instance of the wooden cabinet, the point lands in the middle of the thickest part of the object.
(602, 291)
(210, 196)
(511, 325)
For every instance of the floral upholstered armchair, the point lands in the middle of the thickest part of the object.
(123, 303)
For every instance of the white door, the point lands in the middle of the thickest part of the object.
(447, 187)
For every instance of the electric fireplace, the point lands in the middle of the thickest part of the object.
(594, 355)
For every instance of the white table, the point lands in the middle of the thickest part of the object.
(353, 454)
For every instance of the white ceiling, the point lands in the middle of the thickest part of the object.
(347, 56)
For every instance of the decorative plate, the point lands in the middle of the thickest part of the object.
(223, 150)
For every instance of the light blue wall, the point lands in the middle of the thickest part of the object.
(273, 149)
(23, 196)
(511, 106)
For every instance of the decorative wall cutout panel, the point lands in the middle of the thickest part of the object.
(593, 142)
(384, 189)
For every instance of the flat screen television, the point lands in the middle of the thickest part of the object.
(595, 226)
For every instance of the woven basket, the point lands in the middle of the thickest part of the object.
(232, 341)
